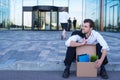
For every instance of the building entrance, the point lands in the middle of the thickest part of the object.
(41, 18)
(46, 19)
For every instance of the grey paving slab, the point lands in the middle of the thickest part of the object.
(49, 75)
(44, 50)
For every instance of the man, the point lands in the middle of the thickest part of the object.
(86, 36)
(74, 23)
(63, 17)
(69, 24)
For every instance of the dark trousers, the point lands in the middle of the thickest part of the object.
(74, 25)
(64, 26)
(71, 55)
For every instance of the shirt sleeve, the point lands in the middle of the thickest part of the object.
(102, 42)
(72, 38)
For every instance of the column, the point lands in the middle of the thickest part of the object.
(101, 15)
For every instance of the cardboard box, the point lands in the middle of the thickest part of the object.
(86, 69)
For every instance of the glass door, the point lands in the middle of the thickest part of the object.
(54, 21)
(47, 21)
(41, 20)
(44, 20)
(35, 20)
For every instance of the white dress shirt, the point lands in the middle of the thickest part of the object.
(94, 38)
(63, 17)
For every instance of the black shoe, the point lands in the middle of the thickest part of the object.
(103, 73)
(66, 73)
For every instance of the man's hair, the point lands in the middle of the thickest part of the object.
(90, 22)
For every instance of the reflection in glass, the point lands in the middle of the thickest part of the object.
(35, 18)
(54, 21)
(115, 16)
(91, 11)
(47, 19)
(112, 17)
(4, 14)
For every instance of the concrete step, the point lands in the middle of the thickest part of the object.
(37, 50)
(50, 66)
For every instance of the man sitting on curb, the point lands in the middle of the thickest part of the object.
(86, 36)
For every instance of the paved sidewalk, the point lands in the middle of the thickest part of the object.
(44, 50)
(49, 75)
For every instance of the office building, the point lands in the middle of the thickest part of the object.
(44, 14)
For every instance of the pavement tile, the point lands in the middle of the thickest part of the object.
(24, 48)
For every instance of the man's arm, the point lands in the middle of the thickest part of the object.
(72, 41)
(104, 50)
(76, 44)
(100, 61)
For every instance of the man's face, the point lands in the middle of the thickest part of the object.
(86, 28)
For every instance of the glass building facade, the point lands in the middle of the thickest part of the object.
(33, 14)
(42, 17)
(4, 14)
(112, 15)
(12, 15)
(91, 10)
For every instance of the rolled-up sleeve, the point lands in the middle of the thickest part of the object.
(72, 38)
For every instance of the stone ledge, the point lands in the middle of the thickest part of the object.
(50, 66)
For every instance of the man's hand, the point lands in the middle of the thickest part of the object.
(83, 41)
(98, 63)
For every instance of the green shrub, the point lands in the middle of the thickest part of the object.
(93, 58)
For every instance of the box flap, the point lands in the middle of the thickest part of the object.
(88, 48)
